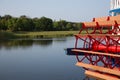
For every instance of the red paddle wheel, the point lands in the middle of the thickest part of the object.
(100, 52)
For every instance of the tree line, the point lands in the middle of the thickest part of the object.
(24, 23)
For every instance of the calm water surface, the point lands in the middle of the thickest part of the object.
(38, 59)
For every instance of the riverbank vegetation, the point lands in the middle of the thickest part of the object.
(26, 27)
(30, 35)
(47, 34)
(24, 23)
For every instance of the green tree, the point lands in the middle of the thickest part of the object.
(25, 24)
(36, 22)
(19, 24)
(63, 24)
(56, 26)
(4, 24)
(0, 23)
(0, 17)
(79, 26)
(46, 24)
(7, 17)
(12, 24)
(60, 25)
(69, 26)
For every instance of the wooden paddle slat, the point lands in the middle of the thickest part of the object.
(114, 18)
(106, 23)
(100, 76)
(89, 24)
(106, 18)
(98, 53)
(98, 68)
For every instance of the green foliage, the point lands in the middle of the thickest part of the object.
(79, 25)
(24, 23)
(3, 24)
(7, 17)
(69, 26)
(12, 24)
(46, 24)
(36, 22)
(43, 24)
(60, 25)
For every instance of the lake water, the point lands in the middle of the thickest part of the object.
(38, 59)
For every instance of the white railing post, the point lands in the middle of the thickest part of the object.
(114, 4)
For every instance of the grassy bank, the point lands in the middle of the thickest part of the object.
(46, 34)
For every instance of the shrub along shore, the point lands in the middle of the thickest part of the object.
(44, 34)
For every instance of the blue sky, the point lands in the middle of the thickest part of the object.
(70, 10)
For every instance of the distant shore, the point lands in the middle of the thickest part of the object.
(44, 34)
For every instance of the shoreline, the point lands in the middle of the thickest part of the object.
(44, 34)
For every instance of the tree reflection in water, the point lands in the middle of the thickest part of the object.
(9, 44)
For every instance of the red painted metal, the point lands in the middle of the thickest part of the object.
(101, 37)
(101, 47)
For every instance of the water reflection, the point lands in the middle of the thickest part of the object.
(44, 59)
(88, 78)
(23, 43)
(8, 44)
